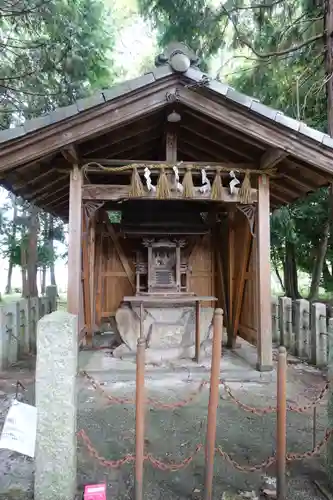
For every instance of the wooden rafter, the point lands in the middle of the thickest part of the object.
(41, 190)
(219, 143)
(223, 130)
(272, 157)
(118, 136)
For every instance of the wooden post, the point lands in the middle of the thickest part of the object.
(91, 254)
(139, 417)
(213, 403)
(281, 425)
(74, 242)
(231, 258)
(197, 331)
(264, 277)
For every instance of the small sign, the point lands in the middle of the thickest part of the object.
(19, 431)
(95, 492)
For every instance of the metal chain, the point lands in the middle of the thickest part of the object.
(247, 468)
(156, 404)
(172, 467)
(272, 409)
(113, 464)
(308, 454)
(128, 458)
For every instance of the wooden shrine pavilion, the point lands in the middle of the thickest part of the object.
(167, 182)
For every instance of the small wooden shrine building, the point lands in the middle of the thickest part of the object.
(167, 182)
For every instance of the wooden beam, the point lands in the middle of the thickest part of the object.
(121, 255)
(264, 344)
(242, 266)
(74, 242)
(231, 268)
(110, 192)
(272, 157)
(70, 153)
(92, 276)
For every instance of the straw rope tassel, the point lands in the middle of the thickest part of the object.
(188, 187)
(217, 187)
(136, 189)
(163, 188)
(245, 191)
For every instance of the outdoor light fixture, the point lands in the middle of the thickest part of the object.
(174, 117)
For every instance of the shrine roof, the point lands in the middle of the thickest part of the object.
(129, 121)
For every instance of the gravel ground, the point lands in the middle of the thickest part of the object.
(172, 435)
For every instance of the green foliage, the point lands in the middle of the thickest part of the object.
(52, 52)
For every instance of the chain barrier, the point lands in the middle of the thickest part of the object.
(113, 464)
(180, 404)
(173, 467)
(129, 458)
(272, 409)
(156, 404)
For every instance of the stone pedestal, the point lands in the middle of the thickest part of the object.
(56, 369)
(169, 331)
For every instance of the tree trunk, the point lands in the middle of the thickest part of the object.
(290, 272)
(51, 249)
(319, 263)
(12, 243)
(32, 256)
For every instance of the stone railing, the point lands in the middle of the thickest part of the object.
(302, 327)
(18, 325)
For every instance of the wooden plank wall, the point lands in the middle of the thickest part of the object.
(112, 282)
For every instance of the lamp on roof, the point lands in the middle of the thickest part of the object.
(174, 117)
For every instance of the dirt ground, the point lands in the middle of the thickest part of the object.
(172, 435)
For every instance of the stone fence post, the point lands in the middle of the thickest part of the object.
(56, 370)
(318, 334)
(275, 320)
(52, 294)
(285, 320)
(302, 329)
(329, 448)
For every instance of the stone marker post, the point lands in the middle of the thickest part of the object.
(318, 334)
(56, 369)
(329, 449)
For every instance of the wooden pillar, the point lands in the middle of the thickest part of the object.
(91, 253)
(264, 343)
(74, 242)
